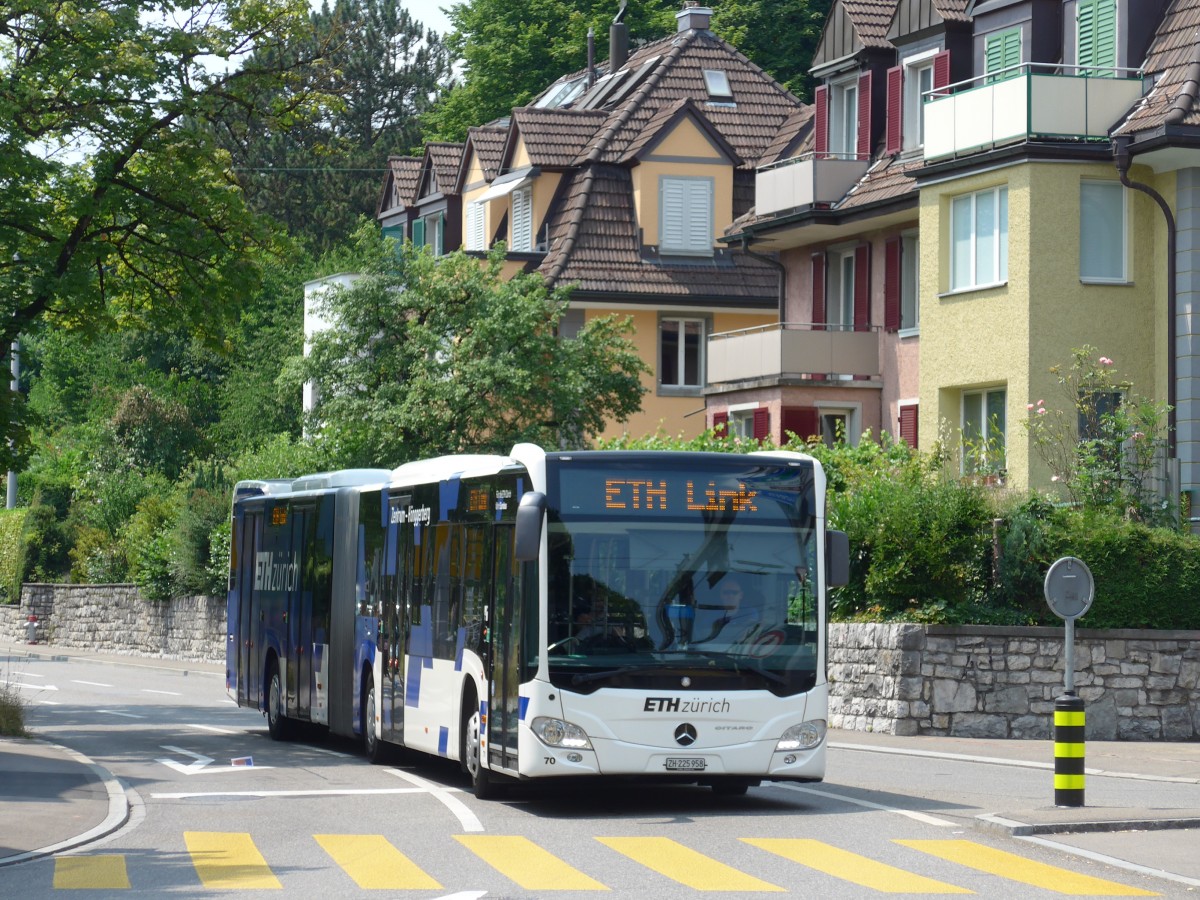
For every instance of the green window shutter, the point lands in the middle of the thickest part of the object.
(1096, 42)
(418, 236)
(1002, 51)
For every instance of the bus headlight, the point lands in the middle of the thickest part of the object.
(557, 733)
(804, 736)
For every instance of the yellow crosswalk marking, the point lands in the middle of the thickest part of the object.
(94, 873)
(527, 864)
(686, 866)
(852, 867)
(1027, 871)
(374, 864)
(228, 860)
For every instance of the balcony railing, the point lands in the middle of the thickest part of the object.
(1029, 102)
(793, 351)
(805, 181)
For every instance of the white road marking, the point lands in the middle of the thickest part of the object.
(347, 792)
(91, 683)
(199, 762)
(49, 703)
(330, 752)
(168, 693)
(34, 687)
(28, 674)
(113, 712)
(912, 814)
(213, 728)
(1109, 860)
(463, 895)
(446, 797)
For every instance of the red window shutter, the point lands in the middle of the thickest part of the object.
(821, 121)
(800, 421)
(862, 287)
(941, 69)
(864, 116)
(908, 424)
(818, 291)
(891, 284)
(720, 424)
(895, 111)
(762, 423)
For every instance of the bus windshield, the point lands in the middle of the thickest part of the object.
(700, 568)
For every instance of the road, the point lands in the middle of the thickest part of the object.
(314, 818)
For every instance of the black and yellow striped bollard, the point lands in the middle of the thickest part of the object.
(1068, 750)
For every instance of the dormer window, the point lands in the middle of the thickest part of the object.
(843, 118)
(717, 83)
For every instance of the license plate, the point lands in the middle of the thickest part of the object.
(686, 763)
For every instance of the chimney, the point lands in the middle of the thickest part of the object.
(693, 17)
(618, 41)
(591, 50)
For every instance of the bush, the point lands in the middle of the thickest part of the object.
(12, 712)
(12, 523)
(45, 544)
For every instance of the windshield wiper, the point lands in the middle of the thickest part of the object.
(741, 664)
(611, 673)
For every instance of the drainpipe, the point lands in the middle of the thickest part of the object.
(1121, 157)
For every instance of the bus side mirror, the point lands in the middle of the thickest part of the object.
(530, 513)
(837, 558)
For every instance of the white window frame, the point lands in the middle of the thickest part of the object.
(521, 224)
(839, 288)
(966, 271)
(917, 69)
(680, 324)
(741, 420)
(717, 83)
(685, 215)
(843, 118)
(850, 413)
(1095, 225)
(910, 283)
(989, 433)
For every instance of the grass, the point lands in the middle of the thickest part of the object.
(12, 712)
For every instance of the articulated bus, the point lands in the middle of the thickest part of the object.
(546, 614)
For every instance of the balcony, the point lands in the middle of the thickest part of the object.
(1024, 103)
(791, 351)
(805, 181)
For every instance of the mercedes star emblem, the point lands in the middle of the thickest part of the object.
(685, 735)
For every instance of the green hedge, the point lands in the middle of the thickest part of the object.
(12, 523)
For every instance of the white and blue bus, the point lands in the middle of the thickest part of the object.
(546, 614)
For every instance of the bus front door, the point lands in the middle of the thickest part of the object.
(249, 664)
(299, 603)
(504, 704)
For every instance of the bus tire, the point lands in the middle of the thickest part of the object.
(373, 747)
(483, 785)
(278, 725)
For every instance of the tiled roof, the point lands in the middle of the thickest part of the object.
(749, 123)
(555, 137)
(404, 173)
(887, 179)
(872, 20)
(488, 143)
(1176, 46)
(663, 120)
(795, 130)
(952, 10)
(593, 246)
(445, 159)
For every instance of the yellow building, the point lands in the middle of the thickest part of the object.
(619, 182)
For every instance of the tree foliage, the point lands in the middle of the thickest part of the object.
(444, 355)
(510, 52)
(318, 178)
(117, 206)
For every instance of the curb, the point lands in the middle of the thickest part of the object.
(118, 812)
(993, 822)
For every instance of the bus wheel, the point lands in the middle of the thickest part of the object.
(371, 742)
(482, 783)
(277, 723)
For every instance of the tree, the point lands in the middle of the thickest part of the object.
(318, 179)
(510, 52)
(117, 205)
(442, 355)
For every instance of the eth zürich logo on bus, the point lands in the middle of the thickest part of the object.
(685, 735)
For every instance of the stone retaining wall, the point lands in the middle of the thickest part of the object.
(113, 618)
(980, 681)
(968, 681)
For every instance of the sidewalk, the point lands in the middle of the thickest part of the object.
(53, 799)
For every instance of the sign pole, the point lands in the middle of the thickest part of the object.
(1069, 591)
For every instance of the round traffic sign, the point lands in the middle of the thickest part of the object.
(1069, 588)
